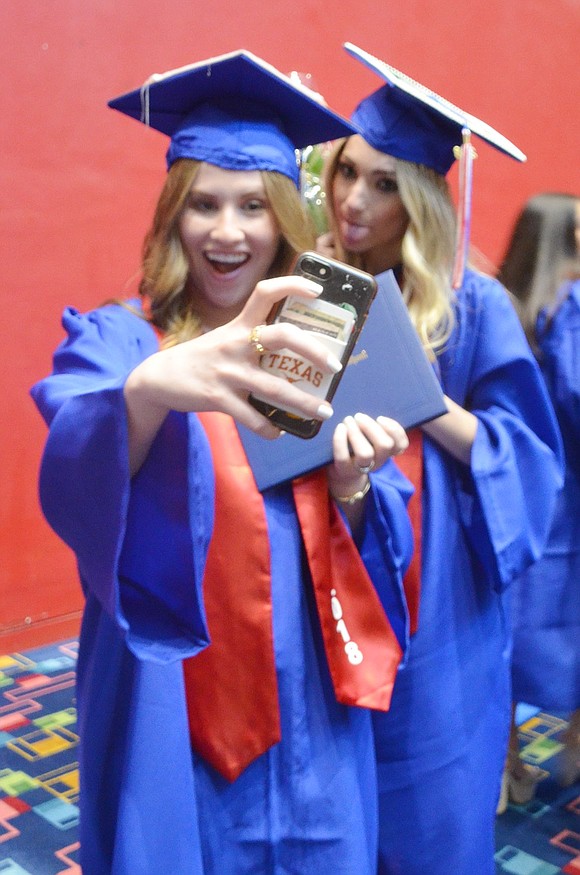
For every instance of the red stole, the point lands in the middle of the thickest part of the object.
(411, 464)
(231, 688)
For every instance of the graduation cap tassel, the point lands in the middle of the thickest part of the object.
(466, 154)
(144, 97)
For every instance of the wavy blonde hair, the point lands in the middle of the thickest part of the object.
(165, 269)
(427, 248)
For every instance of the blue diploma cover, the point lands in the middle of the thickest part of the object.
(388, 374)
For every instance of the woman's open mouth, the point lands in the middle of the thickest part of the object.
(226, 262)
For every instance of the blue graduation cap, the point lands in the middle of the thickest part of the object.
(407, 120)
(235, 111)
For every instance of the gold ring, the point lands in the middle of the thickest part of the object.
(254, 339)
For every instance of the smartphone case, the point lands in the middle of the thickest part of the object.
(388, 374)
(347, 292)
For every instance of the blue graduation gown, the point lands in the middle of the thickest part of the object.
(148, 804)
(546, 654)
(441, 747)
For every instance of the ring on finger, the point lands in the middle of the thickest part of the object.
(254, 339)
(364, 469)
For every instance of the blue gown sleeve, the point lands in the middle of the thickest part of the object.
(507, 495)
(116, 526)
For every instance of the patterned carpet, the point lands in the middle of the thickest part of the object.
(39, 785)
(543, 837)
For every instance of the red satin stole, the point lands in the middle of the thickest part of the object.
(411, 464)
(231, 687)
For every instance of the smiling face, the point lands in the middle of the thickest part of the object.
(230, 235)
(370, 216)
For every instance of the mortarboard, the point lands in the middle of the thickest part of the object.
(235, 111)
(409, 121)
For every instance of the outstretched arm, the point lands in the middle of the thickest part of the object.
(218, 370)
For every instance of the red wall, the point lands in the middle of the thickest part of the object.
(79, 181)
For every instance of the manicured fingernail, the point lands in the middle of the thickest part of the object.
(314, 287)
(333, 363)
(325, 411)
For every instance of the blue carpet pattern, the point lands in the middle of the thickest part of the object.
(39, 786)
(543, 837)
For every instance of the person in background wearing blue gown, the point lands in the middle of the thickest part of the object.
(491, 469)
(142, 476)
(541, 268)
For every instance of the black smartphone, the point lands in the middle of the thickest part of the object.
(336, 317)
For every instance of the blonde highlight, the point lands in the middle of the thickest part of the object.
(427, 246)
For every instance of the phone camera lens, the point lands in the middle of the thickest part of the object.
(315, 268)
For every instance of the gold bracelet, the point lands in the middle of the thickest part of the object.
(355, 497)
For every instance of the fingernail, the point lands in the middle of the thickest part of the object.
(325, 411)
(333, 363)
(314, 287)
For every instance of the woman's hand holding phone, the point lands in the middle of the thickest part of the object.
(219, 369)
(335, 318)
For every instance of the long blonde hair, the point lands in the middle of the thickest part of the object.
(427, 248)
(165, 270)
